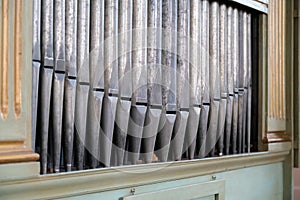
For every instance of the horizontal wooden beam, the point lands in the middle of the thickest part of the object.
(100, 180)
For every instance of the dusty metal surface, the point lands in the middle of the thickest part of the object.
(44, 112)
(182, 78)
(168, 64)
(223, 77)
(70, 82)
(139, 82)
(125, 89)
(229, 72)
(194, 80)
(129, 82)
(214, 77)
(36, 64)
(82, 88)
(202, 130)
(235, 49)
(154, 94)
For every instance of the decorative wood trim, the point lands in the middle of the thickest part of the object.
(276, 67)
(19, 157)
(18, 58)
(15, 73)
(263, 1)
(260, 5)
(4, 60)
(12, 152)
(273, 137)
(263, 80)
(100, 180)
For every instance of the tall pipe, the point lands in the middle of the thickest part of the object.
(169, 61)
(229, 109)
(153, 79)
(235, 50)
(139, 82)
(70, 81)
(182, 85)
(58, 80)
(241, 83)
(125, 80)
(195, 80)
(214, 77)
(223, 77)
(46, 79)
(249, 56)
(36, 63)
(96, 92)
(245, 80)
(110, 80)
(205, 90)
(82, 89)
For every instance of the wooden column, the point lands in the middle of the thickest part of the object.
(15, 81)
(276, 113)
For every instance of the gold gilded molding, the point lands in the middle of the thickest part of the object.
(276, 68)
(278, 136)
(16, 151)
(18, 58)
(4, 60)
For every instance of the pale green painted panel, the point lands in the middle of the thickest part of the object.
(12, 129)
(188, 192)
(260, 182)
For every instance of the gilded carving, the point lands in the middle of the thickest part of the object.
(276, 60)
(4, 60)
(18, 58)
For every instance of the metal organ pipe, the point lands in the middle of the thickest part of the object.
(82, 88)
(214, 77)
(194, 80)
(45, 84)
(169, 64)
(153, 80)
(182, 78)
(139, 82)
(110, 80)
(126, 82)
(205, 90)
(96, 92)
(70, 82)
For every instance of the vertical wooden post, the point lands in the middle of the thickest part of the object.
(15, 82)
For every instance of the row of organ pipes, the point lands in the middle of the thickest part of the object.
(123, 82)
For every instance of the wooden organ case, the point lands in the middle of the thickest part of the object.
(53, 51)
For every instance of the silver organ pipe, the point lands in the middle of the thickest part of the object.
(70, 82)
(127, 82)
(82, 87)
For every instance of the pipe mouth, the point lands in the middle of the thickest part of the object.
(125, 98)
(112, 95)
(173, 112)
(141, 104)
(184, 109)
(196, 105)
(98, 89)
(156, 106)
